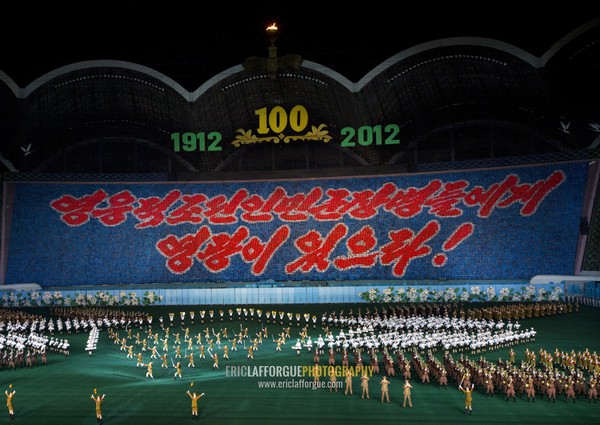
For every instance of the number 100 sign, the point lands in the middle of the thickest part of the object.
(277, 120)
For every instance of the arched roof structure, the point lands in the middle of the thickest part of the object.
(452, 99)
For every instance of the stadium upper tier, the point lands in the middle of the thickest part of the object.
(448, 100)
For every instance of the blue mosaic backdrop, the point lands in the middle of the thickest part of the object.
(493, 224)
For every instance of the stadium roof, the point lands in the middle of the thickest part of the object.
(461, 84)
(192, 42)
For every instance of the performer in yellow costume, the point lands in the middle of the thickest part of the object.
(385, 392)
(177, 371)
(9, 396)
(348, 383)
(365, 385)
(407, 393)
(149, 372)
(98, 399)
(468, 397)
(194, 398)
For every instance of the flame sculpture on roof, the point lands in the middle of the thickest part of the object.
(273, 63)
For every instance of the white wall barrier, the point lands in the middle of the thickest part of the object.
(255, 295)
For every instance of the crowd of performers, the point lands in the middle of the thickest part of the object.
(408, 340)
(560, 374)
(25, 340)
(428, 342)
(417, 341)
(173, 346)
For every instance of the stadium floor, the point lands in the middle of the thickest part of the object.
(60, 393)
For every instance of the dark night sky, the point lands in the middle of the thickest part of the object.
(190, 45)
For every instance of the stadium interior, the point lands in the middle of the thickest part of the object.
(278, 218)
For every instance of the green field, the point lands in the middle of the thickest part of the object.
(59, 393)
